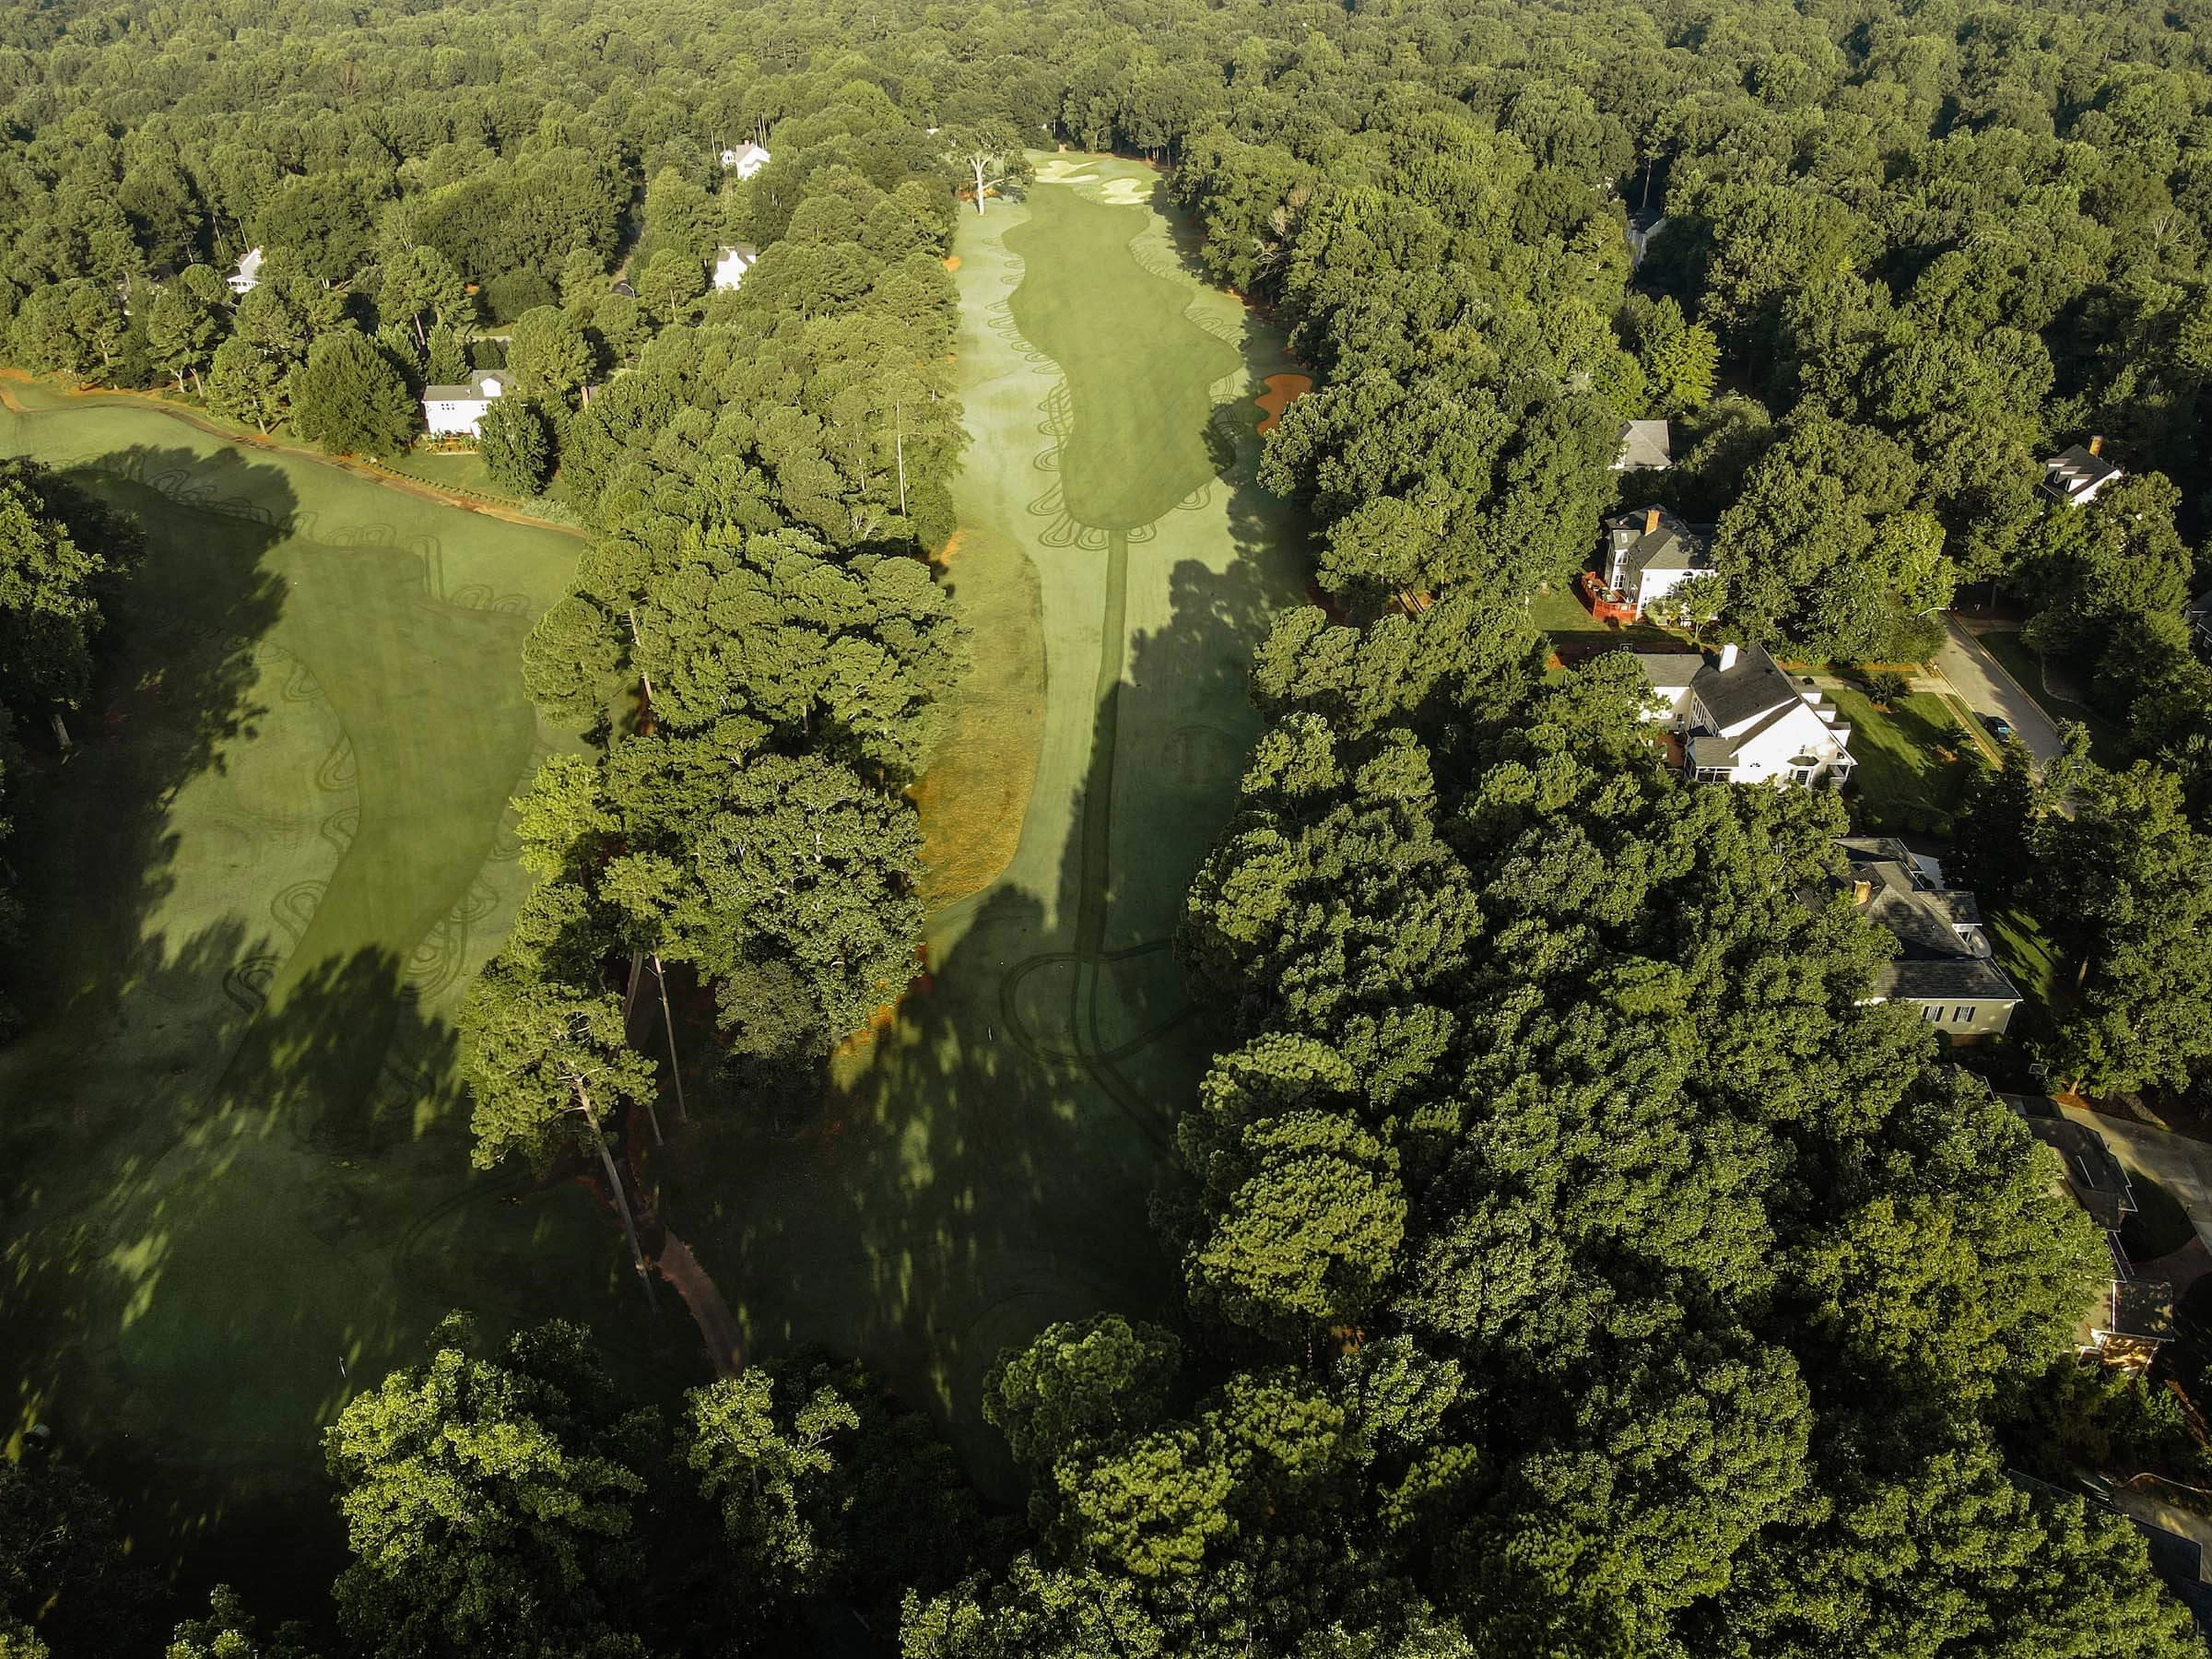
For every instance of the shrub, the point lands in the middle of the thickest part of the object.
(1888, 686)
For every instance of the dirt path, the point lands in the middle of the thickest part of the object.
(717, 1326)
(11, 378)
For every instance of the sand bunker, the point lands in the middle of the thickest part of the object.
(1054, 171)
(1125, 193)
(1283, 389)
(952, 261)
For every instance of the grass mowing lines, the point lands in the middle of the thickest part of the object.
(1914, 758)
(1139, 374)
(233, 1181)
(984, 1166)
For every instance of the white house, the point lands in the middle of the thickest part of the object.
(1741, 720)
(453, 411)
(745, 160)
(1645, 446)
(731, 263)
(2076, 475)
(1647, 554)
(247, 277)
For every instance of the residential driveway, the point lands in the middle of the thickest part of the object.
(2183, 1167)
(1983, 684)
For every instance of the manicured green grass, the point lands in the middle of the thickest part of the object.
(233, 1174)
(1568, 621)
(985, 1164)
(1138, 372)
(2025, 952)
(1914, 758)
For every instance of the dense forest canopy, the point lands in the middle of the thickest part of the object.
(1575, 1261)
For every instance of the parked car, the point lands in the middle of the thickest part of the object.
(1999, 727)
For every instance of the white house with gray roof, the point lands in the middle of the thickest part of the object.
(1647, 555)
(453, 411)
(1741, 720)
(2075, 475)
(745, 160)
(731, 263)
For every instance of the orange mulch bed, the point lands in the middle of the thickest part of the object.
(1283, 389)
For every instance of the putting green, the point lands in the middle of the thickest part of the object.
(233, 1177)
(985, 1166)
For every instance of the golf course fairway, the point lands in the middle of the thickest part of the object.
(985, 1164)
(234, 1184)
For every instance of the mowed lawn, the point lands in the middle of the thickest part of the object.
(233, 1176)
(986, 1163)
(1138, 371)
(1914, 758)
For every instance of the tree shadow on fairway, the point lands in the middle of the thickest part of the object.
(175, 683)
(987, 1165)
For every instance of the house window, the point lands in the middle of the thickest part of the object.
(1927, 1013)
(1962, 1016)
(1713, 775)
(1801, 774)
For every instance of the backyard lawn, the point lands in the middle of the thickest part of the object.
(1914, 760)
(2025, 952)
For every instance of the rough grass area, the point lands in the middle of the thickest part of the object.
(462, 471)
(1914, 760)
(233, 1176)
(975, 797)
(985, 1161)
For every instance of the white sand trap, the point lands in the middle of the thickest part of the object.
(1126, 192)
(1056, 171)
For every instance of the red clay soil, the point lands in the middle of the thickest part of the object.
(1283, 389)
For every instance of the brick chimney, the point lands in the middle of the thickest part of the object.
(1650, 516)
(2097, 445)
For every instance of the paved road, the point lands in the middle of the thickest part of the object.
(2183, 1167)
(1985, 688)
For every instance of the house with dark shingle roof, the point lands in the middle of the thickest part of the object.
(1741, 720)
(1944, 964)
(1645, 555)
(2078, 474)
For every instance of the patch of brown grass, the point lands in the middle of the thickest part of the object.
(975, 797)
